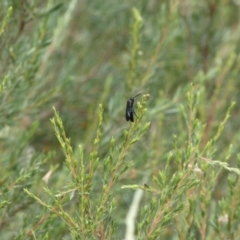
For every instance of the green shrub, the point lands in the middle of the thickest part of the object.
(69, 69)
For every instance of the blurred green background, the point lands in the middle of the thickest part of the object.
(76, 54)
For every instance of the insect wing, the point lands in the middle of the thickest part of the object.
(131, 116)
(128, 110)
(127, 115)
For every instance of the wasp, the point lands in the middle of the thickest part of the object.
(130, 109)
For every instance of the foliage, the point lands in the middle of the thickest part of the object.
(69, 69)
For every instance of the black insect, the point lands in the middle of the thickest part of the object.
(129, 109)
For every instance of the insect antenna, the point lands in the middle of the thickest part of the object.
(137, 95)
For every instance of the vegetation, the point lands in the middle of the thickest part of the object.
(72, 167)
